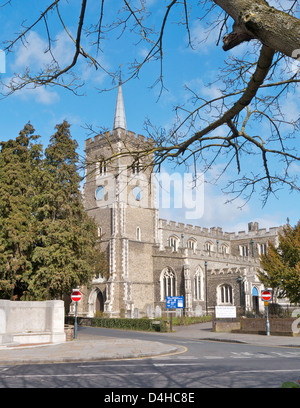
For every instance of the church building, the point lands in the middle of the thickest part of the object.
(151, 258)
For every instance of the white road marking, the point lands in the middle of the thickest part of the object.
(264, 371)
(74, 375)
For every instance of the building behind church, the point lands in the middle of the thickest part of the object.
(150, 258)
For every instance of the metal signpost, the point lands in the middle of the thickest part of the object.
(174, 302)
(75, 296)
(266, 296)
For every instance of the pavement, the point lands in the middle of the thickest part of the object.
(88, 347)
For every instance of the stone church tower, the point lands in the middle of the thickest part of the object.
(120, 196)
(151, 258)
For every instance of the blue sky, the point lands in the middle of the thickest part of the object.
(45, 107)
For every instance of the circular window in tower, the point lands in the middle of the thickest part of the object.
(137, 193)
(99, 193)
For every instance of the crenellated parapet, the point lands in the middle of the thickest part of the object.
(209, 256)
(217, 232)
(127, 138)
(181, 228)
(262, 232)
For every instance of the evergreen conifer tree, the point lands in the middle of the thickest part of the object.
(48, 244)
(65, 254)
(20, 161)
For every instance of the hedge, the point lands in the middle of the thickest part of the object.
(121, 323)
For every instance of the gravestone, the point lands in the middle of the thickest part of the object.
(157, 312)
(198, 311)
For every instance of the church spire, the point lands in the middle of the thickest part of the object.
(120, 119)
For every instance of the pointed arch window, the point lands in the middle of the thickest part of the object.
(174, 243)
(224, 249)
(167, 283)
(208, 246)
(192, 244)
(198, 284)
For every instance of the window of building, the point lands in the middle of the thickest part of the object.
(138, 233)
(102, 168)
(198, 284)
(192, 244)
(137, 193)
(208, 246)
(225, 294)
(244, 251)
(168, 283)
(262, 249)
(224, 249)
(136, 168)
(174, 243)
(99, 193)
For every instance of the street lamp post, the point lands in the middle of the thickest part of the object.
(252, 246)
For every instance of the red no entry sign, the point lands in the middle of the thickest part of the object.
(76, 295)
(266, 295)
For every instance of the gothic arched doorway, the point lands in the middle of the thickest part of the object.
(255, 304)
(100, 302)
(96, 302)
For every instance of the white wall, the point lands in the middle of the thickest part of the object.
(32, 322)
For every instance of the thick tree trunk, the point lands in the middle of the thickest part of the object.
(255, 19)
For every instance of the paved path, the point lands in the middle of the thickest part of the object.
(203, 331)
(86, 348)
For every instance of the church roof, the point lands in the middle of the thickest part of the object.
(120, 119)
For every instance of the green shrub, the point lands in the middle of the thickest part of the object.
(129, 324)
(290, 384)
(186, 320)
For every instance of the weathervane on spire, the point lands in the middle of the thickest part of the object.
(120, 75)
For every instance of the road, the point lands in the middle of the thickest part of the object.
(198, 364)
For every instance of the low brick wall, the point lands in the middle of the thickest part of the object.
(69, 331)
(224, 326)
(278, 326)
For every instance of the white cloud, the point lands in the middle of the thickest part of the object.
(34, 54)
(294, 169)
(41, 95)
(203, 39)
(200, 88)
(44, 96)
(213, 212)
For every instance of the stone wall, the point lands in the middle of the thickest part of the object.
(278, 326)
(32, 322)
(226, 326)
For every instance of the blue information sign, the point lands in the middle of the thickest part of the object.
(175, 302)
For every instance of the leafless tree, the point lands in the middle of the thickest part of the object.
(252, 89)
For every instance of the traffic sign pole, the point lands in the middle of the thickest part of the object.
(268, 323)
(75, 324)
(75, 296)
(266, 296)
